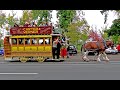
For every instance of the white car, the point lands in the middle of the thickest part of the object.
(111, 51)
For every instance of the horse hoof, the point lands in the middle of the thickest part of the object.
(84, 59)
(98, 60)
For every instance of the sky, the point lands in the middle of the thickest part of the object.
(93, 17)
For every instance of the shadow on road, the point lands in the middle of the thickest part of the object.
(44, 61)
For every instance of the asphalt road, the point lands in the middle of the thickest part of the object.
(78, 71)
(71, 69)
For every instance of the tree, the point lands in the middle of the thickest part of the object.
(36, 15)
(11, 20)
(105, 35)
(78, 28)
(41, 16)
(115, 28)
(74, 32)
(118, 39)
(25, 17)
(115, 38)
(103, 32)
(65, 17)
(2, 19)
(1, 43)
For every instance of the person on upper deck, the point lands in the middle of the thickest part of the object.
(34, 24)
(16, 25)
(27, 24)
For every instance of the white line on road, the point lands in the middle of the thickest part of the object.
(18, 73)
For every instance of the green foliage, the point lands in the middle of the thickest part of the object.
(118, 40)
(1, 43)
(105, 35)
(114, 31)
(25, 17)
(65, 17)
(84, 37)
(73, 33)
(115, 28)
(70, 22)
(115, 38)
(11, 20)
(2, 19)
(41, 15)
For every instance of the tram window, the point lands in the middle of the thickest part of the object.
(14, 41)
(47, 40)
(27, 41)
(34, 41)
(21, 40)
(41, 41)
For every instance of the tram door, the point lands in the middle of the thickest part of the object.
(7, 46)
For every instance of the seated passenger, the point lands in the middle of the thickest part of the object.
(27, 24)
(34, 41)
(40, 41)
(16, 25)
(34, 24)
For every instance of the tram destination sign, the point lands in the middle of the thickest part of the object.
(31, 30)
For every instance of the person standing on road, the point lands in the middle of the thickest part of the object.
(58, 49)
(63, 51)
(54, 48)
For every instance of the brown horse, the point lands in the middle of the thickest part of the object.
(96, 46)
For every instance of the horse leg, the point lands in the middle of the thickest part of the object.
(103, 56)
(98, 59)
(85, 56)
(106, 58)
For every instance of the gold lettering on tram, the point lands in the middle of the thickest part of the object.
(30, 30)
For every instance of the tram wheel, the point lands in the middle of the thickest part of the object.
(23, 59)
(40, 59)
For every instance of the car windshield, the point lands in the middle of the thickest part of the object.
(72, 47)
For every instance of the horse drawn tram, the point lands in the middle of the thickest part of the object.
(25, 43)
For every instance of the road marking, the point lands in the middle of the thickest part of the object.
(18, 73)
(3, 62)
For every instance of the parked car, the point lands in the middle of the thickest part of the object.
(111, 51)
(1, 51)
(72, 49)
